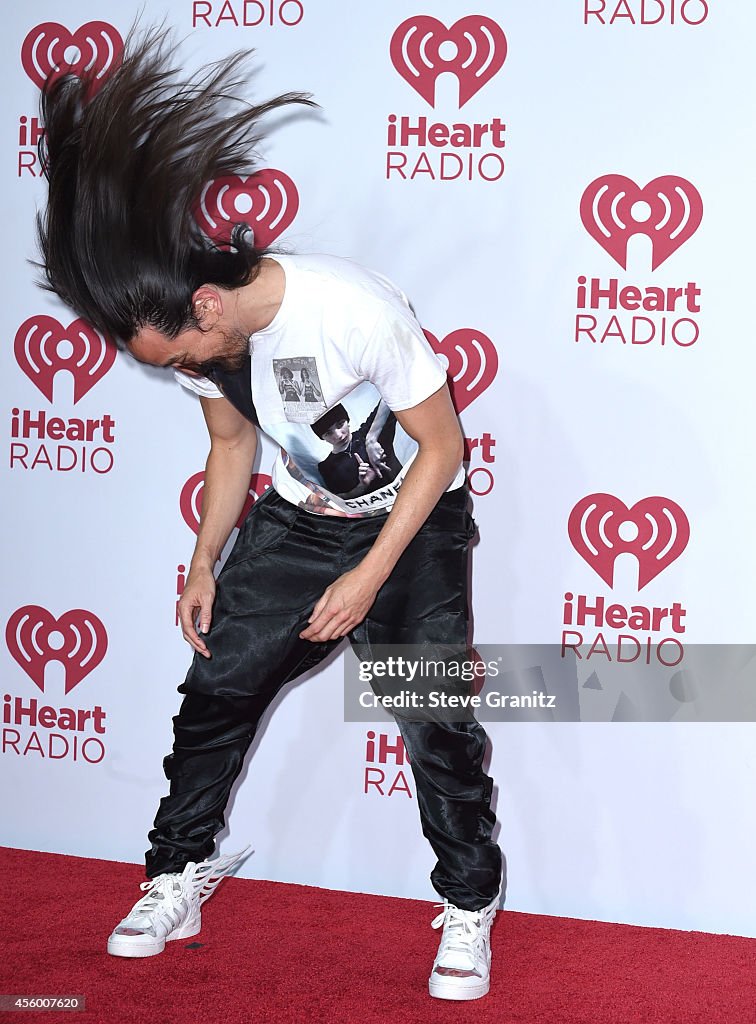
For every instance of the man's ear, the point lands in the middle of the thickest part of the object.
(207, 306)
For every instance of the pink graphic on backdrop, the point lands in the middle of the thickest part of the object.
(655, 530)
(95, 47)
(267, 201)
(43, 347)
(472, 363)
(190, 501)
(78, 640)
(670, 211)
(473, 49)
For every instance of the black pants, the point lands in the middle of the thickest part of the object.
(282, 561)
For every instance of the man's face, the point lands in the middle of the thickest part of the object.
(193, 351)
(339, 433)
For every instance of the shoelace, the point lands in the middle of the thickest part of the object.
(463, 929)
(157, 890)
(203, 878)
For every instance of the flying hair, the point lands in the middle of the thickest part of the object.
(125, 164)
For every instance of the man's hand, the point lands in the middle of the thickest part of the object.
(343, 605)
(197, 601)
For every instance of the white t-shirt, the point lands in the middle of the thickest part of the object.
(343, 353)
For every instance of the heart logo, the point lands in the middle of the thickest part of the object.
(190, 501)
(655, 530)
(44, 347)
(472, 363)
(474, 49)
(266, 201)
(78, 640)
(668, 210)
(95, 47)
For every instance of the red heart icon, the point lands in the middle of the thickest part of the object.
(95, 47)
(668, 210)
(78, 640)
(656, 531)
(472, 363)
(266, 201)
(475, 49)
(44, 347)
(190, 500)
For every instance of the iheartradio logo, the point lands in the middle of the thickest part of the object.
(77, 640)
(655, 530)
(472, 363)
(267, 201)
(473, 49)
(668, 211)
(44, 347)
(95, 47)
(190, 500)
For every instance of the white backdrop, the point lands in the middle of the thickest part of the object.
(645, 823)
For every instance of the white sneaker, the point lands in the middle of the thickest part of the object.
(171, 908)
(462, 966)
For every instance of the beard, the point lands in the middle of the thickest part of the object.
(234, 355)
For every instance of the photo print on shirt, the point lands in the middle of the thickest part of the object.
(352, 457)
(299, 386)
(362, 457)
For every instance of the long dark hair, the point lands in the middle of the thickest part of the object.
(125, 166)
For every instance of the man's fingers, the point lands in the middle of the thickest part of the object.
(329, 624)
(318, 620)
(187, 613)
(189, 634)
(333, 630)
(339, 610)
(206, 613)
(319, 617)
(320, 604)
(197, 645)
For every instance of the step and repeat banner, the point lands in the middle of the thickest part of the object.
(563, 189)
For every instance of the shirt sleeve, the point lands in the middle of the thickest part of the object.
(199, 385)
(399, 360)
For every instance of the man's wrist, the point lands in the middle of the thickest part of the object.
(203, 560)
(375, 572)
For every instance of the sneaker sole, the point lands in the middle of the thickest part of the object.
(443, 989)
(132, 946)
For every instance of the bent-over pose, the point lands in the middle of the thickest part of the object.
(383, 564)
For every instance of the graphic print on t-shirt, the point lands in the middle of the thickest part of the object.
(351, 458)
(299, 386)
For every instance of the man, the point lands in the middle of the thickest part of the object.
(126, 163)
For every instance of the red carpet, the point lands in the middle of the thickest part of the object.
(288, 953)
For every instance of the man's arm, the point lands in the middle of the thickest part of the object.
(233, 445)
(434, 425)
